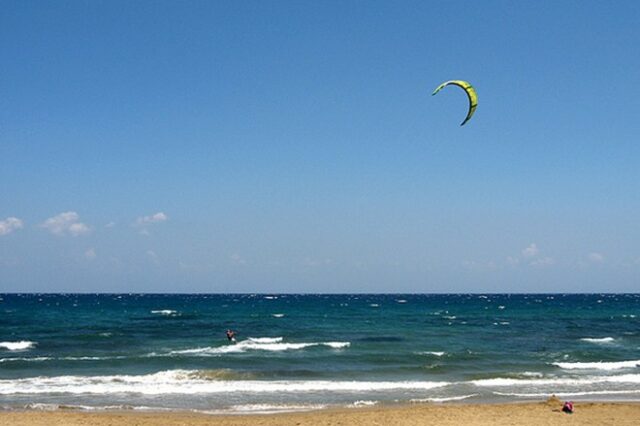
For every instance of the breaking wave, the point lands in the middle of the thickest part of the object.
(271, 344)
(22, 345)
(607, 366)
(193, 382)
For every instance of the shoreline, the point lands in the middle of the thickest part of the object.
(515, 413)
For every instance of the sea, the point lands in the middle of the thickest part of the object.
(313, 351)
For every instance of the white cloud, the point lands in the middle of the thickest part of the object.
(236, 259)
(154, 218)
(595, 258)
(9, 225)
(90, 254)
(531, 251)
(513, 261)
(66, 223)
(153, 256)
(542, 262)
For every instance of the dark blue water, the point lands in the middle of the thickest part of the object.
(306, 351)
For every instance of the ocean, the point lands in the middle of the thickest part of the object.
(298, 352)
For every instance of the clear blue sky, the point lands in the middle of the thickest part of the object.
(294, 146)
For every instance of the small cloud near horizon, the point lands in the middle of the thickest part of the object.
(595, 257)
(542, 262)
(151, 219)
(9, 225)
(67, 223)
(531, 251)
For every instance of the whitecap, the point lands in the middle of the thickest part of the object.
(277, 315)
(434, 353)
(444, 399)
(267, 408)
(34, 359)
(607, 366)
(598, 339)
(188, 382)
(506, 382)
(17, 346)
(165, 312)
(268, 344)
(364, 403)
(568, 394)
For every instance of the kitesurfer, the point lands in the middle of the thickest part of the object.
(231, 335)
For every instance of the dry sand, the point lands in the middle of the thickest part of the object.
(539, 414)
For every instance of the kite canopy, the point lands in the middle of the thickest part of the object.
(470, 91)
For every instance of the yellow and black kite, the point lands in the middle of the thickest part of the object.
(471, 93)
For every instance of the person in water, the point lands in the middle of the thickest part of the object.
(231, 335)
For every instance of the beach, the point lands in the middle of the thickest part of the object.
(540, 413)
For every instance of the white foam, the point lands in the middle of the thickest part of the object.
(269, 408)
(434, 353)
(444, 399)
(189, 382)
(364, 403)
(269, 344)
(34, 359)
(598, 339)
(607, 366)
(567, 394)
(506, 382)
(37, 406)
(278, 315)
(165, 312)
(265, 339)
(532, 374)
(17, 346)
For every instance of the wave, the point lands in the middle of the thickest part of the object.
(364, 403)
(607, 366)
(193, 382)
(567, 394)
(267, 408)
(34, 359)
(64, 358)
(506, 382)
(165, 312)
(277, 315)
(270, 344)
(444, 399)
(22, 345)
(40, 406)
(434, 353)
(598, 340)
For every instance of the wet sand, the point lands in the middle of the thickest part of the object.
(539, 414)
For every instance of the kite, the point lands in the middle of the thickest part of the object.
(470, 91)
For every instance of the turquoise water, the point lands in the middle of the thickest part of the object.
(310, 351)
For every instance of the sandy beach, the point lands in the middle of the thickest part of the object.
(541, 413)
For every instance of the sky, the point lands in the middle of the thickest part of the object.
(294, 146)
